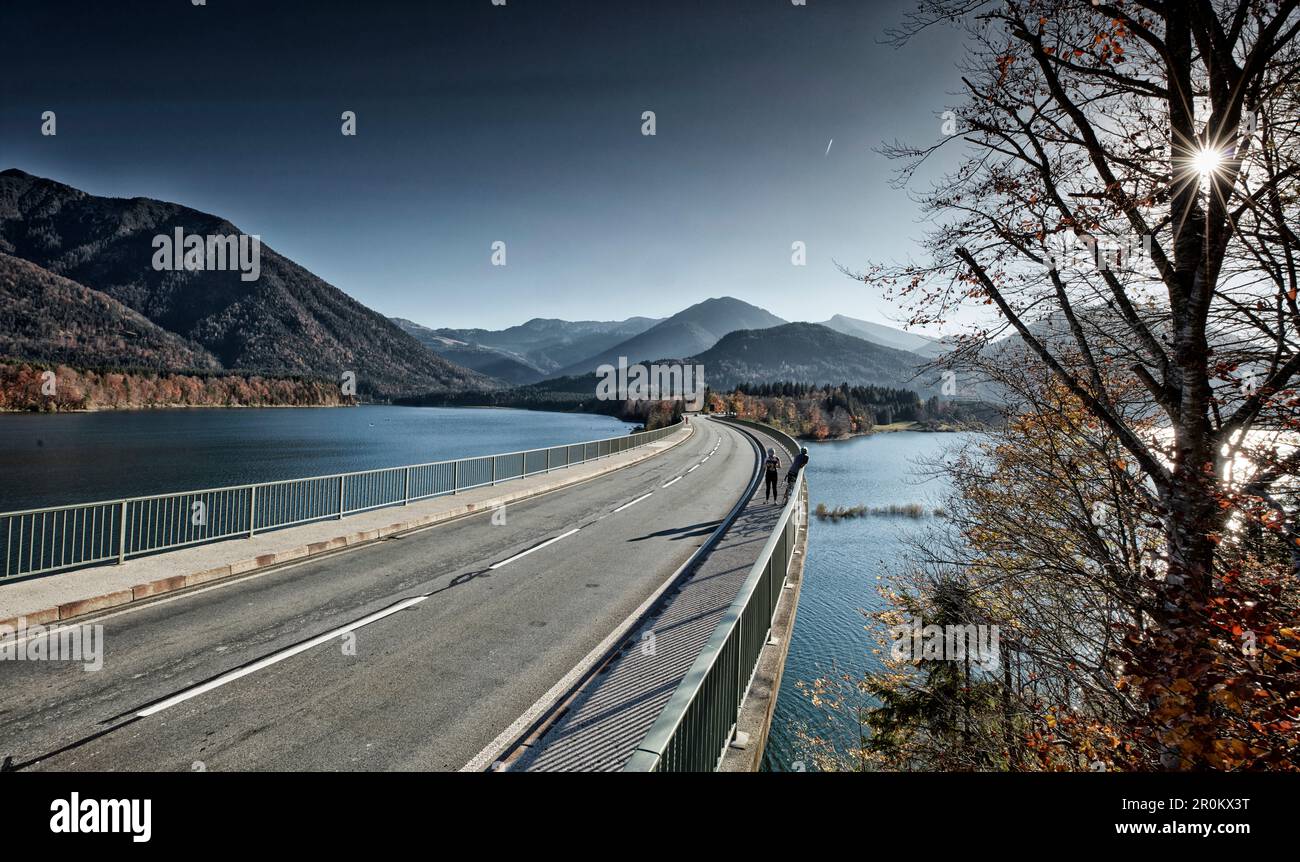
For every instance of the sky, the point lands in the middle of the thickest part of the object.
(520, 123)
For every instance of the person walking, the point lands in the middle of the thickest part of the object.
(770, 468)
(800, 461)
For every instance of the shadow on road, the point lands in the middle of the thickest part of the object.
(701, 529)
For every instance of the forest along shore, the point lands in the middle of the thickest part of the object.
(28, 387)
(820, 413)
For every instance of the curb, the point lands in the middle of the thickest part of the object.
(176, 583)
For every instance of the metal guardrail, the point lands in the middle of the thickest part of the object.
(695, 727)
(791, 445)
(58, 538)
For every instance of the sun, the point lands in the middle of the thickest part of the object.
(1208, 161)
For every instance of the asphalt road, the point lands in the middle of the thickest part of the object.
(412, 653)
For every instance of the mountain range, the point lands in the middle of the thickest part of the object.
(549, 345)
(528, 353)
(288, 322)
(686, 333)
(486, 360)
(78, 286)
(887, 336)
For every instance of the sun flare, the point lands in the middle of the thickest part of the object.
(1207, 161)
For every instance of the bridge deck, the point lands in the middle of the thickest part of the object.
(50, 598)
(413, 653)
(608, 719)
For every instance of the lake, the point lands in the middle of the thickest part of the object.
(54, 459)
(843, 564)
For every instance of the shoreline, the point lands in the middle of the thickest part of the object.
(892, 428)
(160, 407)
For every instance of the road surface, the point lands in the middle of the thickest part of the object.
(413, 653)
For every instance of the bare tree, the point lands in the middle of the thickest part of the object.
(1161, 138)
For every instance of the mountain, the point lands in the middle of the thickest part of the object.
(47, 318)
(887, 336)
(286, 322)
(802, 353)
(809, 353)
(547, 344)
(688, 332)
(485, 360)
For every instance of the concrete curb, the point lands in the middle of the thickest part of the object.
(175, 583)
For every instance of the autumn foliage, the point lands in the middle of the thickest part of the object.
(827, 412)
(55, 388)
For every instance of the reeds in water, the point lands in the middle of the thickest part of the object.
(893, 510)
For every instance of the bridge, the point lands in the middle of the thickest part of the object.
(621, 604)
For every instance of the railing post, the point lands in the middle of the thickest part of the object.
(252, 510)
(772, 594)
(455, 477)
(548, 460)
(771, 590)
(406, 494)
(740, 661)
(121, 535)
(523, 464)
(494, 469)
(342, 479)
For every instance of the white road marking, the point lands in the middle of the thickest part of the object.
(14, 641)
(633, 503)
(670, 481)
(551, 541)
(693, 469)
(275, 657)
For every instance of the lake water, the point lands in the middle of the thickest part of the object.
(53, 459)
(844, 561)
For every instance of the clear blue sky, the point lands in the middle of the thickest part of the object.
(519, 123)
